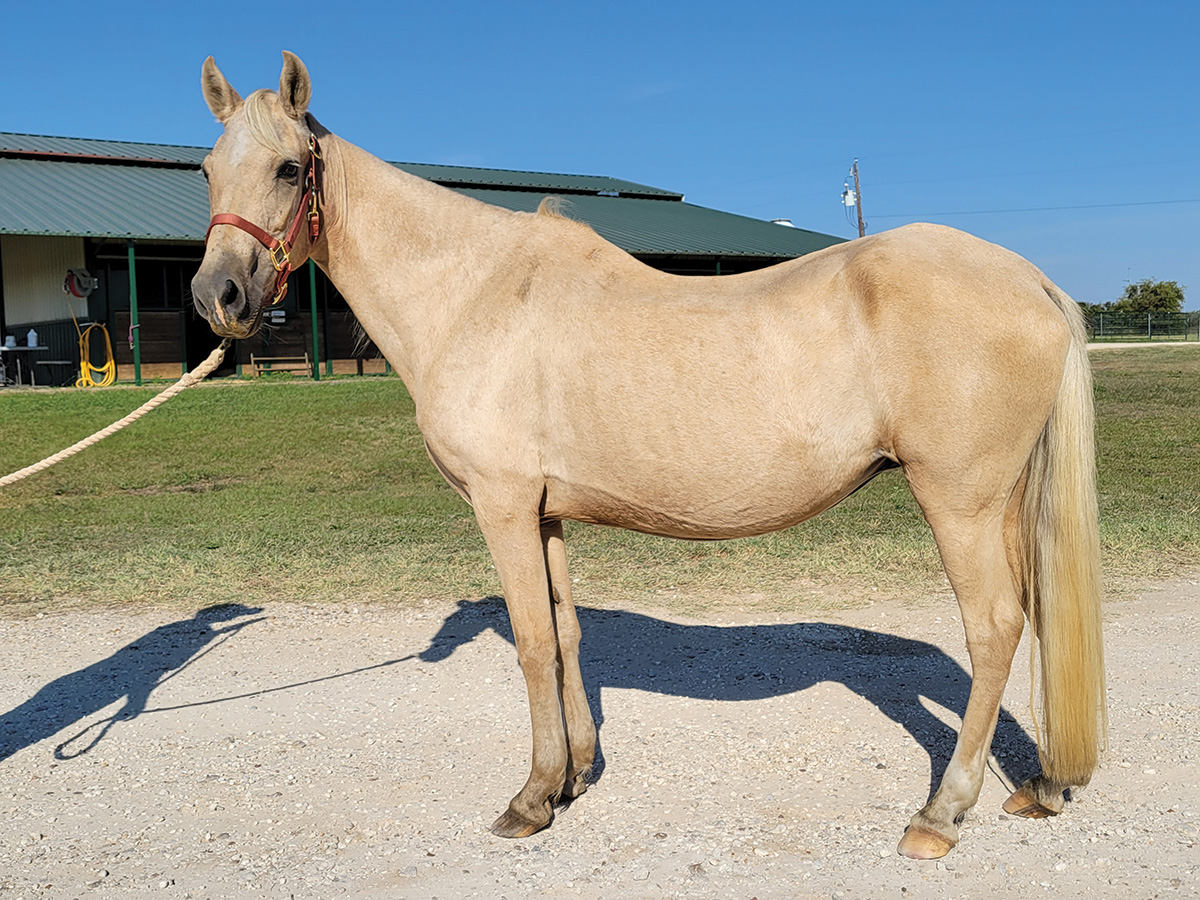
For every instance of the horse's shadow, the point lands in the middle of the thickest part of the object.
(130, 674)
(620, 649)
(624, 649)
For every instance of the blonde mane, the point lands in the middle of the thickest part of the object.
(554, 207)
(261, 120)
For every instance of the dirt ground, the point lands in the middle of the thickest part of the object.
(340, 752)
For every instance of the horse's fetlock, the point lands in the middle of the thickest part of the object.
(576, 784)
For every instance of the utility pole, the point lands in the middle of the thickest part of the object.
(135, 323)
(862, 229)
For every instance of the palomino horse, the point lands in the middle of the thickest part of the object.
(556, 377)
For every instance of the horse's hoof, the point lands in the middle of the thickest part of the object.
(1024, 802)
(514, 825)
(921, 843)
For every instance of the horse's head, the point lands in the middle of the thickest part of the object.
(261, 175)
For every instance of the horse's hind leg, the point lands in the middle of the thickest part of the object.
(972, 546)
(516, 545)
(581, 728)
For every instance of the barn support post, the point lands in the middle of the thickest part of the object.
(134, 325)
(325, 328)
(183, 339)
(3, 324)
(312, 301)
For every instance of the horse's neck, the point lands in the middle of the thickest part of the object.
(406, 254)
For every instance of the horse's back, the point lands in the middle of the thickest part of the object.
(717, 407)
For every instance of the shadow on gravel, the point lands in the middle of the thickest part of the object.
(130, 674)
(623, 649)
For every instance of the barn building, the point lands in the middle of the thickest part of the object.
(133, 216)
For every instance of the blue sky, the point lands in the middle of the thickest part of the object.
(1068, 132)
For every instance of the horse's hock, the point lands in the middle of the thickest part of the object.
(556, 378)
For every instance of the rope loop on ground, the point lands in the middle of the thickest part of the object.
(195, 376)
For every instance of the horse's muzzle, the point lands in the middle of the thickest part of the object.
(232, 308)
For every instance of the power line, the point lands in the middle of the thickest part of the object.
(1041, 138)
(943, 149)
(1059, 171)
(985, 212)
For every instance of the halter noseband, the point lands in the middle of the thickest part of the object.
(281, 250)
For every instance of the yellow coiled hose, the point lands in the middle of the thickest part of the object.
(95, 376)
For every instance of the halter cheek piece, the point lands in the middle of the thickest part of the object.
(281, 250)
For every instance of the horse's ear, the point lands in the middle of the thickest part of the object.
(219, 94)
(295, 88)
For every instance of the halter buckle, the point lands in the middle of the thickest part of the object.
(280, 254)
(280, 293)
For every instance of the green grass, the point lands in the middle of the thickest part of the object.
(1148, 437)
(289, 490)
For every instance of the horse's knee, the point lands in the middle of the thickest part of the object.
(538, 655)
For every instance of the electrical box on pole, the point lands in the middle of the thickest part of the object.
(862, 228)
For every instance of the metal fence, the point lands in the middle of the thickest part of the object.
(1159, 326)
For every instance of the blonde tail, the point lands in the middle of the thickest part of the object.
(1061, 549)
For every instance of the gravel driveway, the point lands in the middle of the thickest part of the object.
(317, 752)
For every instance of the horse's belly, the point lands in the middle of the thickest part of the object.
(688, 524)
(720, 506)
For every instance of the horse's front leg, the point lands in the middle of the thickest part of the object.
(515, 541)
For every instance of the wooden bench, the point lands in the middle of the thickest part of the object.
(59, 372)
(300, 364)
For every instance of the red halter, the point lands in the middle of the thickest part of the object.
(281, 250)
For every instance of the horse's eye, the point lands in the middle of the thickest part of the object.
(288, 171)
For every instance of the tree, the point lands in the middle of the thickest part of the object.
(1149, 295)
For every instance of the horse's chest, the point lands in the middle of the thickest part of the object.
(455, 481)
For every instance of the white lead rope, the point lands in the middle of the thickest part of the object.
(194, 377)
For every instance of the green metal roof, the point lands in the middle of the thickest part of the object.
(92, 200)
(112, 189)
(538, 182)
(663, 228)
(109, 150)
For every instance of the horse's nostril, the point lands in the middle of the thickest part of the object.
(230, 295)
(253, 265)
